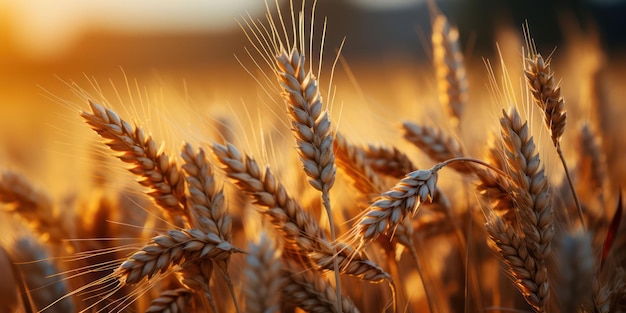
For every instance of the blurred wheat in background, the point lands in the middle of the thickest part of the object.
(243, 156)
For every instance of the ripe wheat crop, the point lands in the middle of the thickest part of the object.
(530, 220)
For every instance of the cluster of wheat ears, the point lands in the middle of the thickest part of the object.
(515, 241)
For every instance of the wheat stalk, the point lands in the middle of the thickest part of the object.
(392, 206)
(525, 252)
(547, 95)
(207, 210)
(450, 71)
(311, 128)
(296, 225)
(157, 171)
(352, 161)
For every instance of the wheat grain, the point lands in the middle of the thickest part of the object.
(157, 171)
(494, 188)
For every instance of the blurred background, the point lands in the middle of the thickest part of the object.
(189, 47)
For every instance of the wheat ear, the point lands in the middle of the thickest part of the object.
(493, 188)
(207, 210)
(531, 280)
(387, 161)
(264, 280)
(608, 295)
(311, 127)
(47, 287)
(534, 215)
(392, 206)
(299, 229)
(435, 144)
(172, 301)
(196, 276)
(205, 201)
(173, 248)
(309, 291)
(547, 95)
(531, 197)
(309, 123)
(34, 206)
(591, 164)
(450, 71)
(155, 169)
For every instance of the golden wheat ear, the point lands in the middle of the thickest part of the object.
(264, 280)
(450, 70)
(41, 275)
(547, 95)
(34, 207)
(302, 233)
(149, 162)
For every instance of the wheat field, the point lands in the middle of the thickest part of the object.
(465, 185)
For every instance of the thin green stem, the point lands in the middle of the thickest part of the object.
(571, 187)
